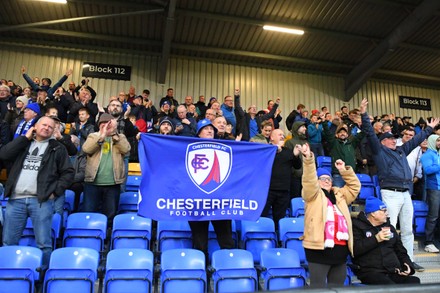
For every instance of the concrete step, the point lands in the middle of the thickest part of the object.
(430, 261)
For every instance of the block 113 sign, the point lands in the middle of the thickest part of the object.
(415, 103)
(107, 71)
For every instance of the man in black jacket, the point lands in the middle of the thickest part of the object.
(41, 172)
(378, 250)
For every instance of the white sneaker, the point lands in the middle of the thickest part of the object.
(431, 248)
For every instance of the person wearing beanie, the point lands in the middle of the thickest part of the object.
(30, 117)
(431, 167)
(328, 236)
(15, 114)
(166, 126)
(379, 255)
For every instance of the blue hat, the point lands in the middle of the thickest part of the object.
(166, 103)
(203, 123)
(323, 171)
(34, 107)
(373, 204)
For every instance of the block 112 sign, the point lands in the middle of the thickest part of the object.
(107, 71)
(415, 103)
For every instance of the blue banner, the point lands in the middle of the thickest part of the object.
(194, 179)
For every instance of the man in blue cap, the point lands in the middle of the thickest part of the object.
(378, 251)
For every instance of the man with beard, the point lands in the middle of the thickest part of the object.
(124, 126)
(342, 146)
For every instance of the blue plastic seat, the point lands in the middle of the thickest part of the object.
(419, 217)
(18, 268)
(281, 269)
(128, 202)
(183, 270)
(234, 271)
(131, 231)
(86, 230)
(173, 234)
(28, 237)
(72, 270)
(297, 207)
(368, 188)
(129, 270)
(257, 236)
(291, 231)
(324, 162)
(133, 183)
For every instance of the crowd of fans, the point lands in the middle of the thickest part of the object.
(100, 140)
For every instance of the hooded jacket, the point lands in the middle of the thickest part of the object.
(378, 257)
(431, 163)
(297, 138)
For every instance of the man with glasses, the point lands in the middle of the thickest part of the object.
(378, 251)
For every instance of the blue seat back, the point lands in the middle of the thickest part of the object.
(18, 268)
(183, 270)
(173, 235)
(71, 270)
(234, 271)
(324, 162)
(128, 202)
(129, 269)
(297, 206)
(419, 217)
(131, 231)
(291, 231)
(133, 183)
(281, 269)
(257, 236)
(86, 230)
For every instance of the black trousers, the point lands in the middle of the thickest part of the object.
(223, 229)
(381, 278)
(279, 201)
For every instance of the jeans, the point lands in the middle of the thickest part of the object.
(106, 197)
(317, 149)
(399, 205)
(17, 212)
(59, 205)
(432, 219)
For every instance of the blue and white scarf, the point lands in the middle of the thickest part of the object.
(22, 131)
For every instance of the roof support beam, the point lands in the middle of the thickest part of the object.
(365, 69)
(167, 38)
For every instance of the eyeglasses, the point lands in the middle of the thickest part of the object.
(325, 179)
(228, 100)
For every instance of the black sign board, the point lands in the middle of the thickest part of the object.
(415, 103)
(107, 71)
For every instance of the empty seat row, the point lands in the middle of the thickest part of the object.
(74, 269)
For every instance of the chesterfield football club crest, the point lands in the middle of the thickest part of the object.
(208, 164)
